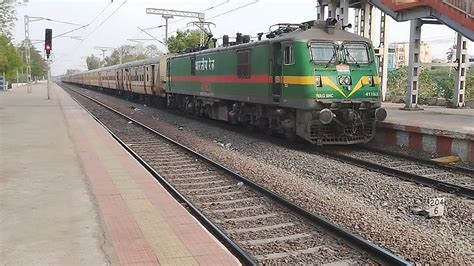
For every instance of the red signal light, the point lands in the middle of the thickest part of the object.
(48, 44)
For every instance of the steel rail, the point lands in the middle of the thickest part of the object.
(433, 183)
(377, 253)
(451, 168)
(243, 256)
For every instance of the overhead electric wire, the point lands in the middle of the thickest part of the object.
(95, 29)
(181, 19)
(218, 15)
(100, 13)
(64, 22)
(202, 11)
(106, 19)
(235, 9)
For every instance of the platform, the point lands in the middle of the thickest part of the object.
(71, 195)
(437, 130)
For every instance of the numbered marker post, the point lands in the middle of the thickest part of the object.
(436, 207)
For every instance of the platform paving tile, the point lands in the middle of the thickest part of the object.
(155, 230)
(140, 216)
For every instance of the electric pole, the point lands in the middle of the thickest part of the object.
(169, 14)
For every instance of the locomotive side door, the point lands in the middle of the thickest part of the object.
(276, 72)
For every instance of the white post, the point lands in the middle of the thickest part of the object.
(383, 63)
(49, 78)
(27, 53)
(460, 78)
(414, 69)
(166, 17)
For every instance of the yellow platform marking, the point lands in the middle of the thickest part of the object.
(447, 159)
(165, 243)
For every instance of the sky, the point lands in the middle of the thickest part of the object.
(113, 23)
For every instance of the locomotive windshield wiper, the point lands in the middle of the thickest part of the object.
(352, 58)
(332, 57)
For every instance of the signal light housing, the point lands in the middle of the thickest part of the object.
(48, 41)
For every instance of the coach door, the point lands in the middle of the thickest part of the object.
(277, 72)
(152, 79)
(117, 79)
(120, 79)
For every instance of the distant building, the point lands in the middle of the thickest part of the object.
(438, 61)
(391, 59)
(470, 61)
(398, 54)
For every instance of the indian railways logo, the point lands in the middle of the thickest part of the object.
(205, 64)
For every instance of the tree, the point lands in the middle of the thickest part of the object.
(443, 78)
(72, 71)
(92, 62)
(469, 85)
(397, 82)
(10, 58)
(184, 40)
(451, 53)
(131, 53)
(152, 51)
(426, 86)
(7, 17)
(39, 67)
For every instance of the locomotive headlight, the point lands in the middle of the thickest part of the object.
(341, 80)
(345, 80)
(317, 81)
(371, 80)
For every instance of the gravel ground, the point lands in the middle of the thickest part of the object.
(268, 245)
(375, 206)
(410, 166)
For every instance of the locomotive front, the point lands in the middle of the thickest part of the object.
(346, 103)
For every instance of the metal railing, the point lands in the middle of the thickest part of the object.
(465, 6)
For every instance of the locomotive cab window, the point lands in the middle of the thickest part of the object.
(323, 53)
(288, 55)
(356, 53)
(243, 64)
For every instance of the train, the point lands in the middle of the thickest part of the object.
(312, 80)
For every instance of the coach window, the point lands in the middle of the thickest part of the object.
(289, 55)
(243, 64)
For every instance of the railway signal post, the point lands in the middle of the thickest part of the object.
(48, 46)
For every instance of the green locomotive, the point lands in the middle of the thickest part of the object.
(313, 80)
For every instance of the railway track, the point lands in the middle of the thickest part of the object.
(255, 223)
(446, 178)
